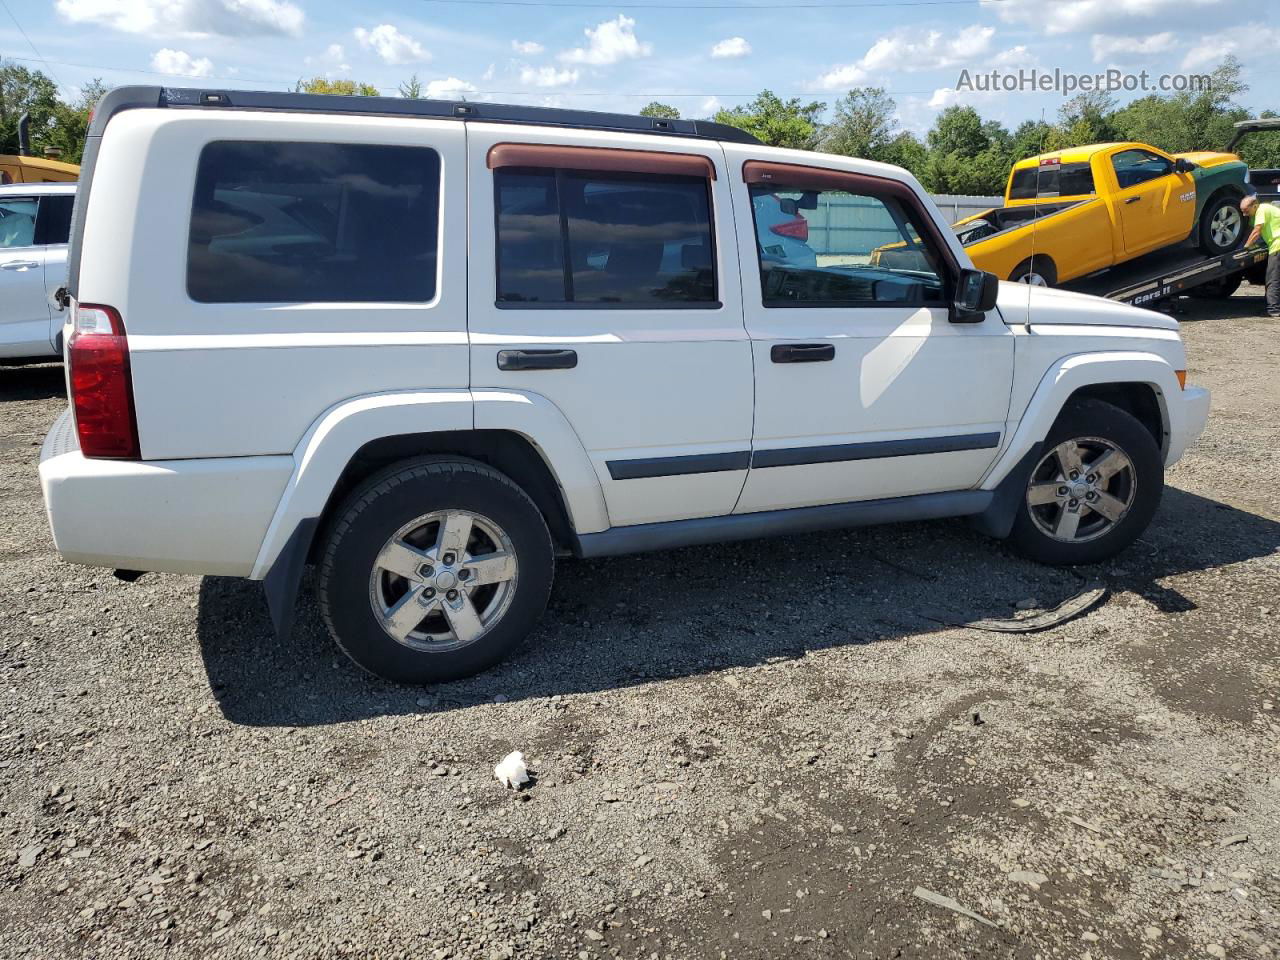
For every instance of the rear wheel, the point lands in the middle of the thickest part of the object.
(434, 570)
(1036, 271)
(1221, 225)
(1095, 489)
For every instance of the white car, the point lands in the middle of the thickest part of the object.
(428, 347)
(35, 219)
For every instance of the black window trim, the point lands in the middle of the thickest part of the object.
(899, 214)
(559, 174)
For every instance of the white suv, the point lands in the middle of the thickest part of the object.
(429, 346)
(35, 219)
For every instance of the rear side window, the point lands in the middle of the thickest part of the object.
(276, 222)
(1051, 180)
(53, 225)
(597, 238)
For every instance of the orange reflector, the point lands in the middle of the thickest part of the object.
(1182, 378)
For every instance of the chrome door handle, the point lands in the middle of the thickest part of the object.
(19, 264)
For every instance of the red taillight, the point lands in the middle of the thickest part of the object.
(101, 389)
(797, 229)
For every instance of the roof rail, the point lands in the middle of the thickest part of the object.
(125, 98)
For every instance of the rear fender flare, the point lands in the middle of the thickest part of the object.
(330, 443)
(1072, 373)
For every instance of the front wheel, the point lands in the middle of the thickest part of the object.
(1094, 490)
(433, 570)
(1221, 226)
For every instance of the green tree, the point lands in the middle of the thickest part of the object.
(71, 122)
(957, 131)
(777, 122)
(1030, 138)
(1083, 119)
(862, 125)
(346, 88)
(1199, 120)
(411, 89)
(26, 91)
(966, 155)
(662, 110)
(907, 151)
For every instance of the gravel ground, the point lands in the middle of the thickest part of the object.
(755, 750)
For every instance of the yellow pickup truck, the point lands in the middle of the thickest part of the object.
(1074, 212)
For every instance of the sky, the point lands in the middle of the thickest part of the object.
(697, 55)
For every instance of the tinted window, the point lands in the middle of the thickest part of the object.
(838, 248)
(54, 223)
(1052, 180)
(17, 222)
(1138, 166)
(295, 222)
(603, 238)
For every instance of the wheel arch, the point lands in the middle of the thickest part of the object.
(521, 434)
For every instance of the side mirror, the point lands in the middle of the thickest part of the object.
(975, 295)
(1183, 165)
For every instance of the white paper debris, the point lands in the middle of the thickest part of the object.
(511, 771)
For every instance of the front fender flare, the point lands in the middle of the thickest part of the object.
(1072, 373)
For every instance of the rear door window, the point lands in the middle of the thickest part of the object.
(17, 222)
(598, 238)
(53, 224)
(284, 222)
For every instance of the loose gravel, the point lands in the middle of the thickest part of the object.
(773, 749)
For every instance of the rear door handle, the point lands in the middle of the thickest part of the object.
(537, 359)
(802, 352)
(1132, 199)
(19, 264)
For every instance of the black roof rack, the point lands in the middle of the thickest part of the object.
(126, 98)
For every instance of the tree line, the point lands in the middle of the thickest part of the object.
(961, 153)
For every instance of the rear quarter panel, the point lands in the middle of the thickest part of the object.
(216, 380)
(1079, 240)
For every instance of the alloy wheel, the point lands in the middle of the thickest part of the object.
(1081, 489)
(1033, 279)
(443, 580)
(1225, 226)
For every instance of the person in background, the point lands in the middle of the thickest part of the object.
(1266, 227)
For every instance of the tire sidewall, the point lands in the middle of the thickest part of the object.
(375, 512)
(1206, 226)
(1095, 418)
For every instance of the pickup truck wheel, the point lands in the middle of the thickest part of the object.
(1037, 271)
(1095, 489)
(433, 570)
(1221, 225)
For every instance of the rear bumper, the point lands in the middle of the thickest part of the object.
(1195, 414)
(181, 516)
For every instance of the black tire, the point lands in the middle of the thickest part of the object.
(378, 509)
(1218, 289)
(1091, 418)
(1041, 265)
(1208, 238)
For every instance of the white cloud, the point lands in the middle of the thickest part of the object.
(609, 42)
(1018, 56)
(710, 106)
(179, 63)
(527, 47)
(948, 96)
(391, 45)
(188, 18)
(1115, 16)
(335, 52)
(489, 73)
(1106, 47)
(547, 77)
(911, 52)
(1244, 42)
(450, 88)
(732, 47)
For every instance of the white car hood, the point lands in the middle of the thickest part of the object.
(1022, 303)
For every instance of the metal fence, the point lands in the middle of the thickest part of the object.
(849, 225)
